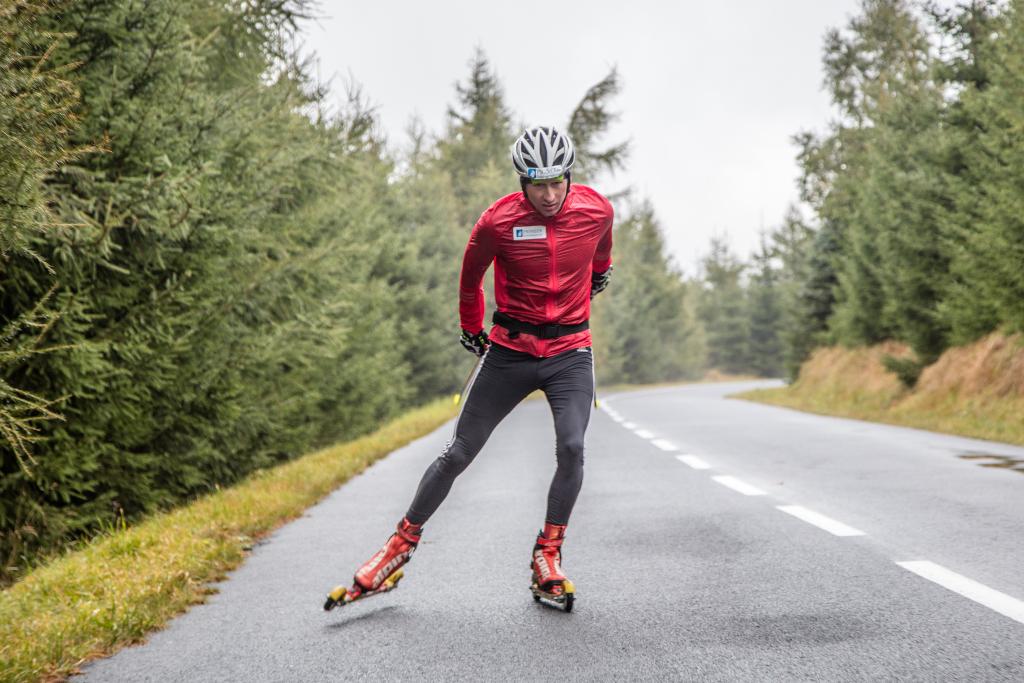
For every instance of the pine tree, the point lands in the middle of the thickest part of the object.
(806, 282)
(765, 313)
(588, 123)
(971, 31)
(645, 327)
(986, 224)
(903, 186)
(916, 188)
(424, 271)
(877, 180)
(792, 244)
(222, 305)
(37, 101)
(474, 150)
(723, 309)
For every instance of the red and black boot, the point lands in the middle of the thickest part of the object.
(383, 571)
(548, 580)
(395, 553)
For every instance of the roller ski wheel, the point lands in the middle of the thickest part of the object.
(343, 595)
(564, 598)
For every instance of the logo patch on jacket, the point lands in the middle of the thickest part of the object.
(529, 232)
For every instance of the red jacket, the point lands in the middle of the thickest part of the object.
(542, 266)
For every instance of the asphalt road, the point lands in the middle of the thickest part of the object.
(680, 574)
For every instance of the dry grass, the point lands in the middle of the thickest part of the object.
(94, 601)
(975, 390)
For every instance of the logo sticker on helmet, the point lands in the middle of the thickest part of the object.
(544, 173)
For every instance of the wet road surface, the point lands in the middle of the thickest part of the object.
(714, 539)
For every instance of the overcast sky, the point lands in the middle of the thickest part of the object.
(713, 91)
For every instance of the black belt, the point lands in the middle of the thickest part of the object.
(517, 327)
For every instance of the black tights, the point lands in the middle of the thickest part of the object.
(504, 379)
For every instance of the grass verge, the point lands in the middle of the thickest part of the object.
(124, 584)
(975, 390)
(979, 421)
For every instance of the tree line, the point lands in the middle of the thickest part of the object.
(207, 269)
(916, 198)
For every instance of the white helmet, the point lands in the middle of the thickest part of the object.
(542, 153)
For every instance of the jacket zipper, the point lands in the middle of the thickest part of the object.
(552, 276)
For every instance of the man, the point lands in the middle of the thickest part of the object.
(551, 249)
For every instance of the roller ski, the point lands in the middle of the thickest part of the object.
(383, 571)
(342, 595)
(549, 584)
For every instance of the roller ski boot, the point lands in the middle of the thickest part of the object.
(383, 571)
(549, 583)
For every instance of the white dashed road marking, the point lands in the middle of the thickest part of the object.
(989, 597)
(739, 485)
(821, 521)
(997, 601)
(693, 461)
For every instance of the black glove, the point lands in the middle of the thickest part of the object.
(476, 343)
(598, 281)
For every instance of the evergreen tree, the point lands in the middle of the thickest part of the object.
(814, 299)
(904, 188)
(881, 56)
(986, 224)
(765, 313)
(970, 32)
(215, 269)
(792, 244)
(589, 121)
(474, 150)
(426, 256)
(37, 101)
(645, 327)
(723, 310)
(915, 187)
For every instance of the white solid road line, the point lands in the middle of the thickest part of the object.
(643, 433)
(629, 425)
(989, 597)
(819, 520)
(693, 461)
(739, 485)
(665, 445)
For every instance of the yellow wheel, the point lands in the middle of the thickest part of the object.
(336, 597)
(569, 589)
(392, 581)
